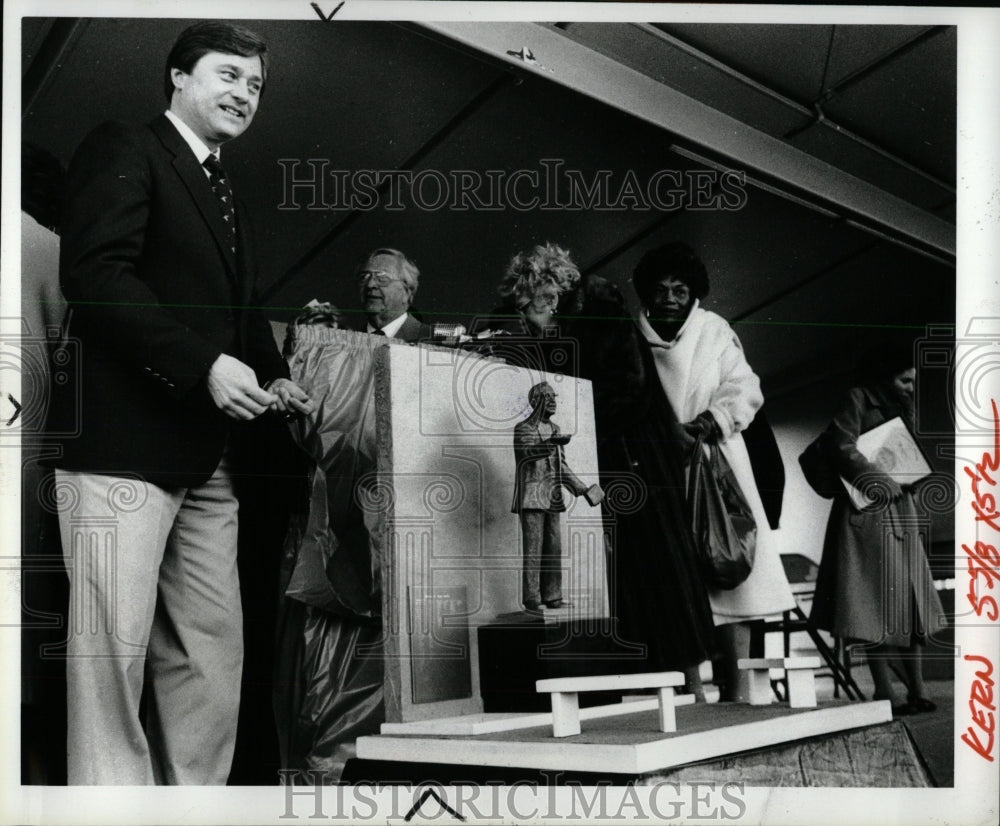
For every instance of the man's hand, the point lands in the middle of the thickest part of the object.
(560, 439)
(235, 391)
(292, 400)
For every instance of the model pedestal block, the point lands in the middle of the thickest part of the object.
(800, 674)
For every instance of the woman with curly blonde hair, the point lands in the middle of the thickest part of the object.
(534, 283)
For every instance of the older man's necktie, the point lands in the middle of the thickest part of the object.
(220, 186)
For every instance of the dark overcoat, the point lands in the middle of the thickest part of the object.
(874, 583)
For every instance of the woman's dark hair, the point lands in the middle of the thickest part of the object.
(884, 361)
(212, 36)
(43, 183)
(676, 260)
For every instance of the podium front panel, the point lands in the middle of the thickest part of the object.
(440, 516)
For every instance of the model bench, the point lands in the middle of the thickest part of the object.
(800, 674)
(565, 693)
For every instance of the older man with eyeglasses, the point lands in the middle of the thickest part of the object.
(387, 281)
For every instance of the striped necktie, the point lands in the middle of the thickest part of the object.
(220, 186)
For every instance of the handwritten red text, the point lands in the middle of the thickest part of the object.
(984, 503)
(983, 564)
(981, 710)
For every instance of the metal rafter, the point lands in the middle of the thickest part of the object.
(568, 63)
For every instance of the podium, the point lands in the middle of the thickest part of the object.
(446, 541)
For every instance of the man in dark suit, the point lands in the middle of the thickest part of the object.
(387, 283)
(538, 498)
(157, 265)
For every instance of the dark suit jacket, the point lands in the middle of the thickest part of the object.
(413, 331)
(156, 296)
(541, 470)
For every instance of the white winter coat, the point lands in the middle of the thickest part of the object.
(704, 368)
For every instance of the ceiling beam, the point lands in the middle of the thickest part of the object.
(882, 60)
(60, 38)
(570, 64)
(813, 111)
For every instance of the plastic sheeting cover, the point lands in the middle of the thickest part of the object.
(329, 681)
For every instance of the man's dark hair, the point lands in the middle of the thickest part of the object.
(198, 40)
(676, 260)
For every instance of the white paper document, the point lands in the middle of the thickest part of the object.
(891, 448)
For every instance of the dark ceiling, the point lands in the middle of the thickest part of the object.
(806, 283)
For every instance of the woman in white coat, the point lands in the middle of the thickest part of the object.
(715, 393)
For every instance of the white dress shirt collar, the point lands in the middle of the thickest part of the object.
(190, 138)
(392, 327)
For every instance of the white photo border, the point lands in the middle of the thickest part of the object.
(973, 800)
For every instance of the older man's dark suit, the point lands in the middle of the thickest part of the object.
(156, 296)
(412, 331)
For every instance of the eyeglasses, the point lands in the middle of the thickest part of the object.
(382, 279)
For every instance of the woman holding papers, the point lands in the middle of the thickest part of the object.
(874, 584)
